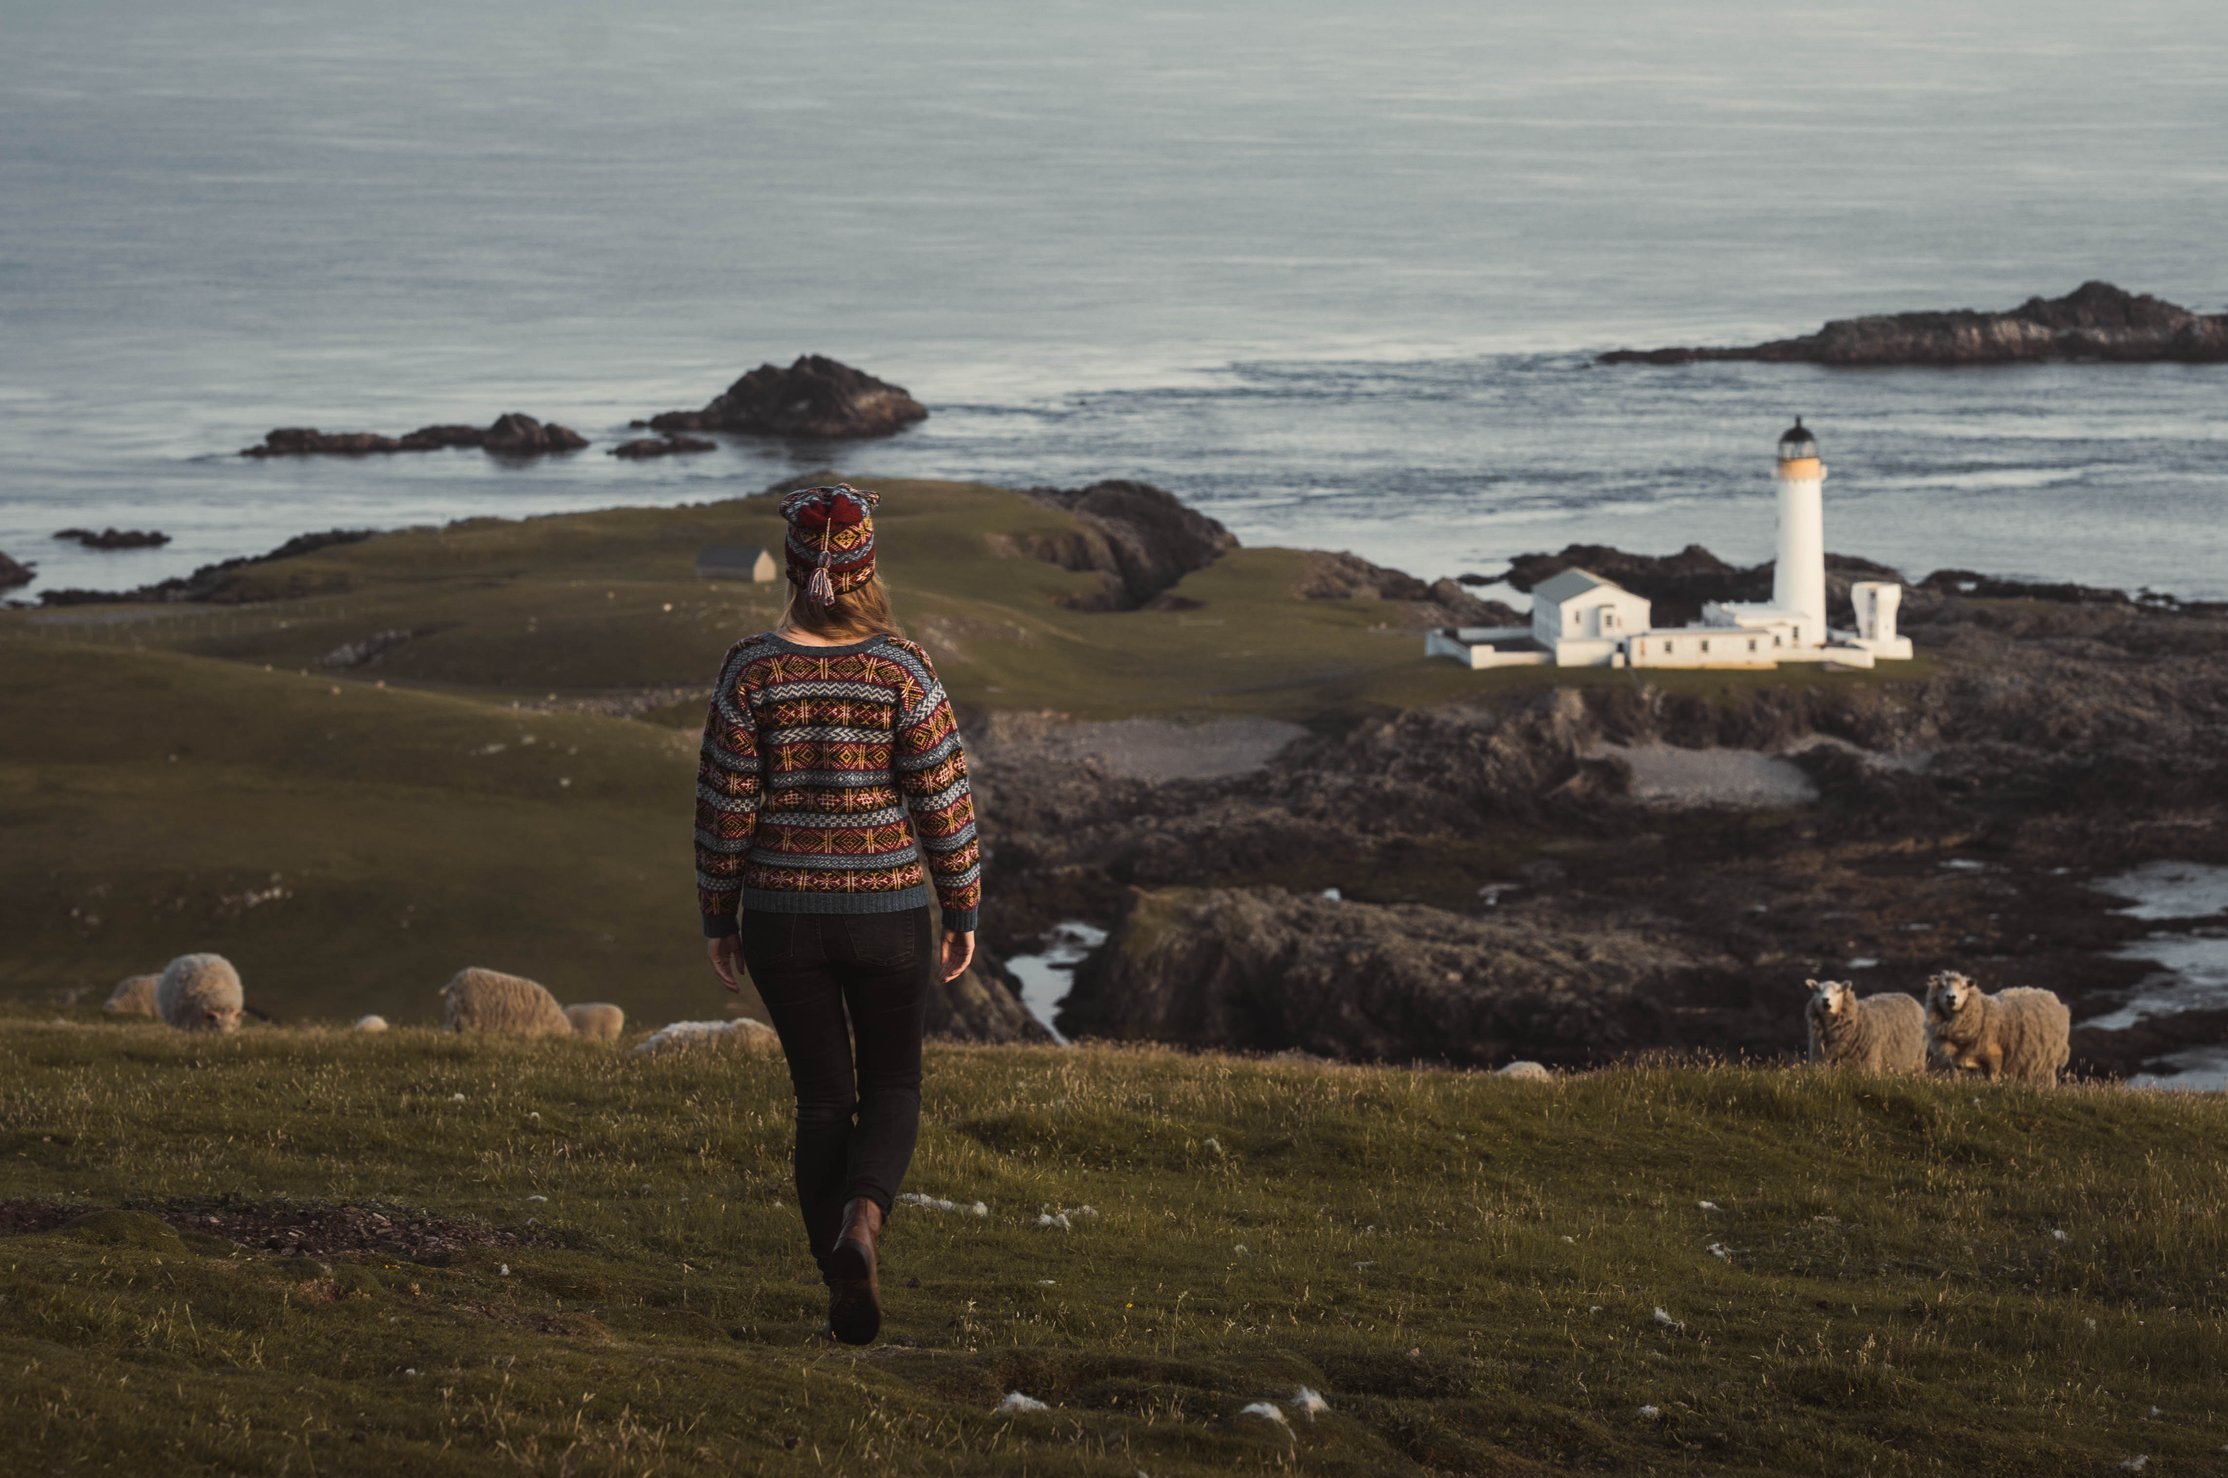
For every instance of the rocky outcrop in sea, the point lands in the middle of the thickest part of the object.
(14, 572)
(2096, 321)
(816, 397)
(512, 435)
(647, 448)
(1140, 539)
(113, 538)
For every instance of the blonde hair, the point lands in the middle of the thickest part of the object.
(858, 613)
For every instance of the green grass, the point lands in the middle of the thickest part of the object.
(1466, 1268)
(595, 602)
(181, 788)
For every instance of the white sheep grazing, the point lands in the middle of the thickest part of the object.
(2023, 1033)
(490, 1003)
(370, 1024)
(1878, 1034)
(1526, 1072)
(598, 1021)
(689, 1036)
(201, 993)
(134, 996)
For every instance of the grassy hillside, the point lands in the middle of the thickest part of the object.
(1918, 1277)
(349, 847)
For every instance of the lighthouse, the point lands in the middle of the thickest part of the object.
(1580, 619)
(1799, 576)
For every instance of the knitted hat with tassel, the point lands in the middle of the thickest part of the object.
(830, 548)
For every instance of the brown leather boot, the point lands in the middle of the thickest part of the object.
(854, 1281)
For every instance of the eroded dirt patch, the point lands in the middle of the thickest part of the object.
(294, 1227)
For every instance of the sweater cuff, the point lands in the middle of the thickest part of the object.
(961, 923)
(719, 926)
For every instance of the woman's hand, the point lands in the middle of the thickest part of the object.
(959, 953)
(727, 960)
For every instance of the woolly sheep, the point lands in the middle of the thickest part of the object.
(371, 1024)
(2023, 1033)
(687, 1036)
(494, 1004)
(598, 1021)
(1526, 1072)
(134, 996)
(200, 993)
(1878, 1034)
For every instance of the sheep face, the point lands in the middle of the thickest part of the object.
(1947, 995)
(220, 1019)
(1832, 999)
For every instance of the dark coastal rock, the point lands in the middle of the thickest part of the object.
(116, 538)
(2062, 740)
(239, 581)
(1346, 576)
(1140, 539)
(512, 435)
(15, 572)
(2095, 321)
(517, 435)
(1680, 584)
(1994, 587)
(643, 448)
(983, 1005)
(1262, 970)
(816, 396)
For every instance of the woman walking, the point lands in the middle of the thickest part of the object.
(825, 734)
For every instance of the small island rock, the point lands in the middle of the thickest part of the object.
(2094, 321)
(816, 396)
(116, 538)
(513, 435)
(643, 448)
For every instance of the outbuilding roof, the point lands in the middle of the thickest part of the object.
(1570, 582)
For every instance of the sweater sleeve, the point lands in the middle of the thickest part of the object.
(931, 770)
(727, 791)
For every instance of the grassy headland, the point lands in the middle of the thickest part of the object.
(168, 767)
(1897, 1277)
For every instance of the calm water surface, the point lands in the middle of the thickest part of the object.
(1332, 272)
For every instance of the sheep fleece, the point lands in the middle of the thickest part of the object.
(492, 1003)
(200, 993)
(134, 996)
(598, 1021)
(1886, 1034)
(2032, 1026)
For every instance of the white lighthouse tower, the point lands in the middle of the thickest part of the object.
(1799, 576)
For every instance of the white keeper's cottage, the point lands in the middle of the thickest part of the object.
(1580, 619)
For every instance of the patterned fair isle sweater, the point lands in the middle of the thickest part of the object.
(813, 758)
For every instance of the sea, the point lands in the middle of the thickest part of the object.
(1334, 273)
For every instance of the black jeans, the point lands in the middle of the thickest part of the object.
(848, 993)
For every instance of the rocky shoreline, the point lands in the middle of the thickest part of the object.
(2096, 321)
(1502, 889)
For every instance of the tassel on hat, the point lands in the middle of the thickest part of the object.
(842, 557)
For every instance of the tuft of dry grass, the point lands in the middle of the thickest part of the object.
(1908, 1276)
